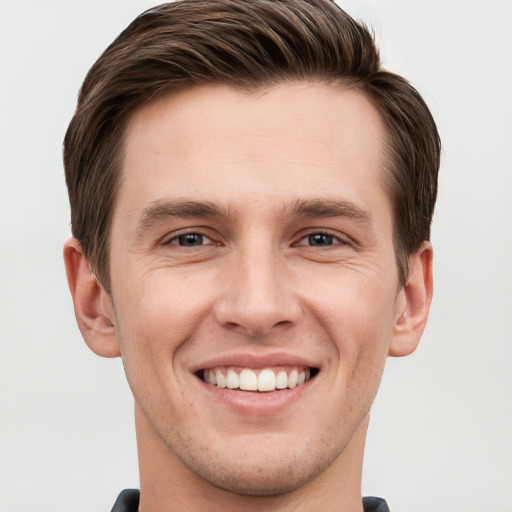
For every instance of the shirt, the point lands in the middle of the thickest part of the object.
(128, 501)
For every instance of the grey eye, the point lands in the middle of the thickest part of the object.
(190, 240)
(320, 239)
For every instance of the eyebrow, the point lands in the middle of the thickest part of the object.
(329, 208)
(162, 210)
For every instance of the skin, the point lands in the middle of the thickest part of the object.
(292, 259)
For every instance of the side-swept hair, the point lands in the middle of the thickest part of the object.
(246, 45)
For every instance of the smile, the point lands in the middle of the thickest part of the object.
(262, 380)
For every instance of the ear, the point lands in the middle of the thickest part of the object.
(93, 305)
(413, 303)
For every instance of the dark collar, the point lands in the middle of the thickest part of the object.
(128, 501)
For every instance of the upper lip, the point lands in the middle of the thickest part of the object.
(256, 360)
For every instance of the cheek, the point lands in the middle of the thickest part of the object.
(162, 309)
(356, 310)
(357, 316)
(152, 327)
(360, 324)
(153, 321)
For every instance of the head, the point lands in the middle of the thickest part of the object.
(253, 195)
(247, 46)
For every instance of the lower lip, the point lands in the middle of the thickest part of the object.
(254, 402)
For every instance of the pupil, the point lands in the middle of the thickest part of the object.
(320, 239)
(191, 239)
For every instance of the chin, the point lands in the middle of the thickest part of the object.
(267, 479)
(257, 470)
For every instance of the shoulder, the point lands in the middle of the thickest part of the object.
(372, 504)
(127, 501)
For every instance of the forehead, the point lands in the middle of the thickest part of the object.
(256, 153)
(294, 131)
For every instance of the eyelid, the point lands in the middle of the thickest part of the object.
(339, 238)
(173, 237)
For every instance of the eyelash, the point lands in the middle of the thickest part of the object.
(336, 240)
(177, 238)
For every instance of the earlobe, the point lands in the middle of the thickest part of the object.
(413, 303)
(93, 305)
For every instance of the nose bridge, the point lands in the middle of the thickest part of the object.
(258, 295)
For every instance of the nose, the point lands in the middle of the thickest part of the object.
(258, 295)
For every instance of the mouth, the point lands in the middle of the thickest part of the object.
(261, 380)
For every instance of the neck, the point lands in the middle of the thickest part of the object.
(168, 485)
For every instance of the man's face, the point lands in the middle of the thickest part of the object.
(252, 235)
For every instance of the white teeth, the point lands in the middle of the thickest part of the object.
(282, 380)
(248, 380)
(232, 380)
(267, 380)
(221, 379)
(293, 379)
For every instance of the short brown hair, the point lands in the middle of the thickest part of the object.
(246, 45)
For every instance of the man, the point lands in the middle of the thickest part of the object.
(251, 199)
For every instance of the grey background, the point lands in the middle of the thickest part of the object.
(440, 437)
